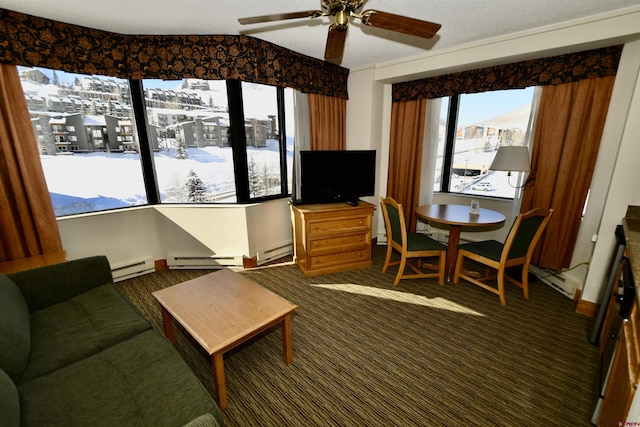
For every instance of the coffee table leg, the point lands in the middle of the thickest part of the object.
(168, 326)
(286, 339)
(217, 362)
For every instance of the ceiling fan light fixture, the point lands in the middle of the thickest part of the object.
(342, 18)
(342, 11)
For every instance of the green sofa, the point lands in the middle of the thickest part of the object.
(75, 352)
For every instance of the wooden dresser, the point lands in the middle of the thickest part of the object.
(333, 237)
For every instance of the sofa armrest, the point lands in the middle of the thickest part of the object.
(52, 284)
(206, 420)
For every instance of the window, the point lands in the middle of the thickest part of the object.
(472, 128)
(208, 141)
(217, 141)
(81, 177)
(188, 123)
(264, 143)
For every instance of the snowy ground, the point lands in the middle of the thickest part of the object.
(81, 183)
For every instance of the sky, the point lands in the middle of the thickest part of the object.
(477, 107)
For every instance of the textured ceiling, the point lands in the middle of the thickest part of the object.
(463, 21)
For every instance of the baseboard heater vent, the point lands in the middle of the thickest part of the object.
(553, 279)
(204, 262)
(131, 269)
(276, 252)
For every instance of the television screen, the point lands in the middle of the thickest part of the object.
(337, 176)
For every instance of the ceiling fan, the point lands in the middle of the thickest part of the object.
(343, 11)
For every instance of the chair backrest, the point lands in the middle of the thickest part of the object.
(394, 221)
(525, 233)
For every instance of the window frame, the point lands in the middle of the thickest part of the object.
(449, 153)
(237, 140)
(140, 128)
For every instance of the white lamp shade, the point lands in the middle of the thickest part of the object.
(511, 158)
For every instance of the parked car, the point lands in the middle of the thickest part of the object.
(484, 186)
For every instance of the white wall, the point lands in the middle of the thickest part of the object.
(268, 227)
(623, 188)
(363, 130)
(604, 205)
(122, 235)
(197, 230)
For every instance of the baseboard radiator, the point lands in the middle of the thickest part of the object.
(553, 279)
(183, 261)
(275, 252)
(134, 268)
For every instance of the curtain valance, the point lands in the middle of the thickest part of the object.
(32, 41)
(536, 72)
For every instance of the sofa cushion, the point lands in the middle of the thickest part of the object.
(206, 420)
(84, 325)
(140, 381)
(14, 329)
(9, 401)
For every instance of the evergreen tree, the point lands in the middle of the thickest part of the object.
(266, 179)
(181, 148)
(254, 177)
(195, 187)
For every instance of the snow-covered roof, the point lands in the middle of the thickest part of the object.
(90, 120)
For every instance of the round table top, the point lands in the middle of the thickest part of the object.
(459, 215)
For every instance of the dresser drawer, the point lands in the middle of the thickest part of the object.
(338, 225)
(339, 243)
(333, 259)
(333, 237)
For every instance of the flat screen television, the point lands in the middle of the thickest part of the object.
(331, 176)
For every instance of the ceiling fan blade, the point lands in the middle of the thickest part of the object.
(399, 23)
(280, 17)
(335, 42)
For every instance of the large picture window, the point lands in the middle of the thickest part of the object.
(90, 145)
(86, 136)
(472, 128)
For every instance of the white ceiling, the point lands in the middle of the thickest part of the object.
(463, 21)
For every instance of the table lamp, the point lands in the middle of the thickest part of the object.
(511, 158)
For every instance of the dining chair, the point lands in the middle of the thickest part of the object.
(410, 246)
(498, 257)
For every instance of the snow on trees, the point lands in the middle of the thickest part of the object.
(195, 187)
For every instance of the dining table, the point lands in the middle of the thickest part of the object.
(456, 217)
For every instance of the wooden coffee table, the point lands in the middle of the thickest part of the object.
(222, 310)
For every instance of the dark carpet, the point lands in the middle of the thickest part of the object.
(419, 354)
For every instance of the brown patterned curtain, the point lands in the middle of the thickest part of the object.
(28, 224)
(327, 122)
(553, 70)
(33, 41)
(567, 138)
(405, 155)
